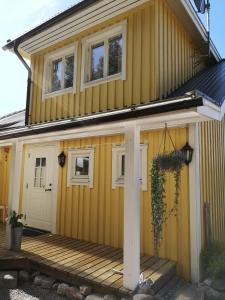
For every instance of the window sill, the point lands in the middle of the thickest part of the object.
(58, 93)
(102, 80)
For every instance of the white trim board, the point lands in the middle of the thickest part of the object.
(83, 20)
(195, 204)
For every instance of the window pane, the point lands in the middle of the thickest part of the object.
(115, 55)
(82, 166)
(43, 161)
(56, 74)
(97, 61)
(123, 165)
(69, 71)
(37, 162)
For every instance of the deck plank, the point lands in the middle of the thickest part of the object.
(67, 258)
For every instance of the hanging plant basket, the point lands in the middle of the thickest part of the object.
(167, 162)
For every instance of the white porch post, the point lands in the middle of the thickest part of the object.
(195, 205)
(131, 254)
(15, 171)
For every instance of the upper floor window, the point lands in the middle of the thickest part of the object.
(104, 56)
(59, 72)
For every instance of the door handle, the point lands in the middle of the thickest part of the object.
(48, 190)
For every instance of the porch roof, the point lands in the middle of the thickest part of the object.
(190, 107)
(158, 107)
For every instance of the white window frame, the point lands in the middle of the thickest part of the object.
(117, 180)
(80, 180)
(48, 58)
(103, 36)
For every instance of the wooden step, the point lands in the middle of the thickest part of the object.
(10, 260)
(163, 275)
(167, 288)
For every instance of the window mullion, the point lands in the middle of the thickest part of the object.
(63, 72)
(106, 57)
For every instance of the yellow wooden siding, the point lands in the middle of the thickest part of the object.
(5, 159)
(96, 214)
(159, 59)
(212, 159)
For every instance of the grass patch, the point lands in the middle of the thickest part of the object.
(213, 261)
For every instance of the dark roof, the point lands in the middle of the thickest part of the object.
(55, 20)
(210, 83)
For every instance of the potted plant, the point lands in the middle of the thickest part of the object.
(15, 222)
(171, 162)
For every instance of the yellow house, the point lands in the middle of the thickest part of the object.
(106, 77)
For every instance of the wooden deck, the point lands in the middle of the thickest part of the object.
(76, 261)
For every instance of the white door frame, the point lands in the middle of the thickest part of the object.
(56, 147)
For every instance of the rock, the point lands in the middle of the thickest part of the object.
(44, 281)
(47, 282)
(55, 286)
(24, 276)
(74, 294)
(8, 279)
(145, 287)
(85, 290)
(110, 297)
(37, 280)
(207, 282)
(94, 297)
(34, 274)
(218, 284)
(142, 297)
(62, 289)
(211, 294)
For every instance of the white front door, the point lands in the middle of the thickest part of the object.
(40, 186)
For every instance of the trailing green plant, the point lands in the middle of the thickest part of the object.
(15, 219)
(171, 162)
(213, 260)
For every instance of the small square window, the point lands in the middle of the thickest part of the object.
(59, 72)
(104, 56)
(80, 167)
(118, 166)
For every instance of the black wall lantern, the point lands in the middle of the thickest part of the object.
(62, 159)
(187, 152)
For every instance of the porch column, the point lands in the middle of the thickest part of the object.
(15, 171)
(131, 252)
(195, 205)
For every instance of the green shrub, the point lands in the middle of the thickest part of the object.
(213, 260)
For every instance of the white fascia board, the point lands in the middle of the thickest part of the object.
(199, 25)
(175, 119)
(210, 110)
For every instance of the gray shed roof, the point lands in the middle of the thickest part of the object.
(12, 121)
(210, 83)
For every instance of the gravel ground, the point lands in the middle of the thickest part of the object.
(29, 292)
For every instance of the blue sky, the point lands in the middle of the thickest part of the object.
(16, 17)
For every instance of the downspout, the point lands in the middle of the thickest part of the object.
(15, 48)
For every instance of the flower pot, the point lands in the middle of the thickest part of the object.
(8, 236)
(17, 233)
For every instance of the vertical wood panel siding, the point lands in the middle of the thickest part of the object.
(159, 59)
(212, 150)
(5, 159)
(96, 214)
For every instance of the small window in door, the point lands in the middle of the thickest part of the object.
(40, 172)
